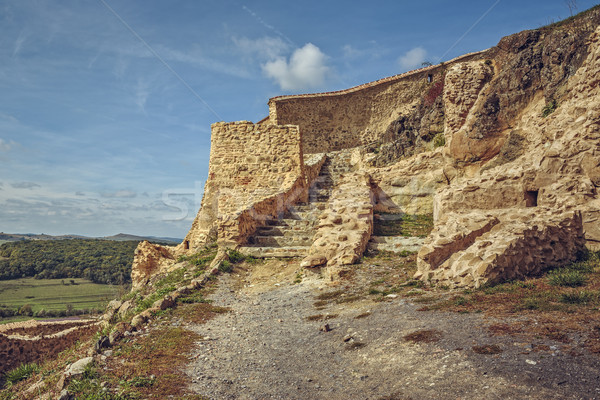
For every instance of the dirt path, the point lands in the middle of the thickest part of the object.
(268, 347)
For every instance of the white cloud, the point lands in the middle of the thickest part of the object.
(306, 68)
(412, 58)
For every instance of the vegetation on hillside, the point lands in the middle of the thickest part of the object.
(100, 261)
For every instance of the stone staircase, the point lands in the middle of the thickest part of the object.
(293, 233)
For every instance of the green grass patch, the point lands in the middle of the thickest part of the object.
(54, 294)
(549, 108)
(387, 224)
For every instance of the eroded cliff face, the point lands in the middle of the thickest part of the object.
(502, 147)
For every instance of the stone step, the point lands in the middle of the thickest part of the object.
(280, 230)
(320, 199)
(312, 215)
(283, 241)
(313, 206)
(396, 244)
(277, 252)
(292, 223)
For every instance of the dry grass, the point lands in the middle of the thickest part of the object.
(487, 349)
(198, 313)
(162, 353)
(423, 336)
(548, 305)
(321, 317)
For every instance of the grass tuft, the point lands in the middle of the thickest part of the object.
(567, 277)
(577, 297)
(20, 373)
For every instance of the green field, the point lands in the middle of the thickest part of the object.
(53, 294)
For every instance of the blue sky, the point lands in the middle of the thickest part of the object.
(106, 105)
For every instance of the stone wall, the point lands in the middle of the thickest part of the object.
(475, 248)
(356, 116)
(33, 341)
(254, 171)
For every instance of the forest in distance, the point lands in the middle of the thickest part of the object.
(100, 261)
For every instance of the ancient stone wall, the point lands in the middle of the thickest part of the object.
(356, 116)
(472, 249)
(254, 171)
(312, 166)
(32, 341)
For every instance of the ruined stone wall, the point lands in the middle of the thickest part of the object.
(357, 116)
(345, 226)
(33, 343)
(472, 249)
(312, 166)
(254, 170)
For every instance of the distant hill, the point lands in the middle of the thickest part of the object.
(15, 237)
(120, 237)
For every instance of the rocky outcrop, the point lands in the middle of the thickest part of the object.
(150, 259)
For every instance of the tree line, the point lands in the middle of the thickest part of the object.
(100, 261)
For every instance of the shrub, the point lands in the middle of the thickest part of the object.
(549, 108)
(26, 310)
(225, 266)
(235, 256)
(439, 140)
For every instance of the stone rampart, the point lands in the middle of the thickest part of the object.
(357, 116)
(254, 171)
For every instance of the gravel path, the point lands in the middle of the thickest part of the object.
(267, 348)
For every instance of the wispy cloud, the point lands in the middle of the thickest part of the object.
(306, 68)
(19, 43)
(24, 185)
(413, 58)
(350, 52)
(127, 194)
(141, 94)
(266, 25)
(6, 146)
(265, 48)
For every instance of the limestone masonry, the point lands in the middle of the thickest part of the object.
(501, 148)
